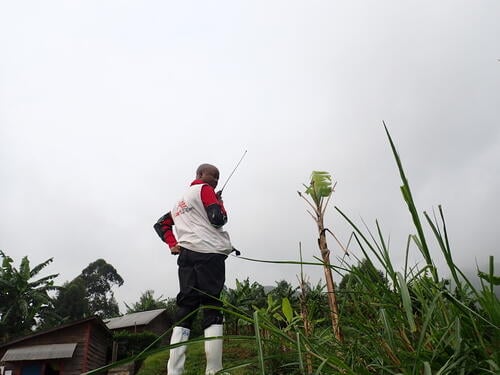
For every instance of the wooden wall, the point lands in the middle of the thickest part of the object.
(92, 350)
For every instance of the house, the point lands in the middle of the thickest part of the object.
(156, 321)
(69, 349)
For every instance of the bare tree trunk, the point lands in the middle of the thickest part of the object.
(330, 286)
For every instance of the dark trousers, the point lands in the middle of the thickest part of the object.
(201, 279)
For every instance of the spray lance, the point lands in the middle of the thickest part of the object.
(219, 193)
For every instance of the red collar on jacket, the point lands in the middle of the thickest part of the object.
(197, 182)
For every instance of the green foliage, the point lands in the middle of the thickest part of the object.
(320, 186)
(99, 277)
(424, 324)
(284, 289)
(72, 302)
(362, 287)
(90, 293)
(244, 298)
(235, 351)
(130, 343)
(316, 300)
(365, 267)
(420, 239)
(155, 364)
(23, 301)
(494, 280)
(147, 302)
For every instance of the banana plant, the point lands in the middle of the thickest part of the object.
(23, 299)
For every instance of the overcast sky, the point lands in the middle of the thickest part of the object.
(108, 107)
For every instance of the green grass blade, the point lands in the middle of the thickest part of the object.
(427, 368)
(406, 300)
(389, 331)
(299, 354)
(405, 189)
(260, 352)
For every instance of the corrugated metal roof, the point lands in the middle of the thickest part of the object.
(134, 319)
(29, 353)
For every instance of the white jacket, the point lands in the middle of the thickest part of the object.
(193, 229)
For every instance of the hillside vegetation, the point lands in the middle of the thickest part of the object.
(414, 319)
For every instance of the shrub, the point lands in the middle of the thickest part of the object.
(130, 344)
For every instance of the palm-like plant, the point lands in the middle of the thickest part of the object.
(23, 300)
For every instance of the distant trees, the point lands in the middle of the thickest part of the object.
(99, 277)
(26, 303)
(248, 297)
(71, 302)
(90, 293)
(284, 289)
(23, 298)
(351, 281)
(147, 302)
(245, 297)
(355, 289)
(359, 290)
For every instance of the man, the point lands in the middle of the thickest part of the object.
(202, 246)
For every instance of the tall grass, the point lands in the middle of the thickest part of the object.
(410, 321)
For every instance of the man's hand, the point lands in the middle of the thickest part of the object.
(219, 195)
(175, 250)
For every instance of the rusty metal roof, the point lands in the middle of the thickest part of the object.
(28, 353)
(134, 319)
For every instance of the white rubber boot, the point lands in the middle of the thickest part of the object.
(213, 349)
(177, 357)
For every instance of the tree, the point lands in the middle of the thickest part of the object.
(371, 274)
(71, 302)
(90, 293)
(361, 289)
(315, 300)
(99, 277)
(147, 302)
(284, 289)
(320, 190)
(23, 300)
